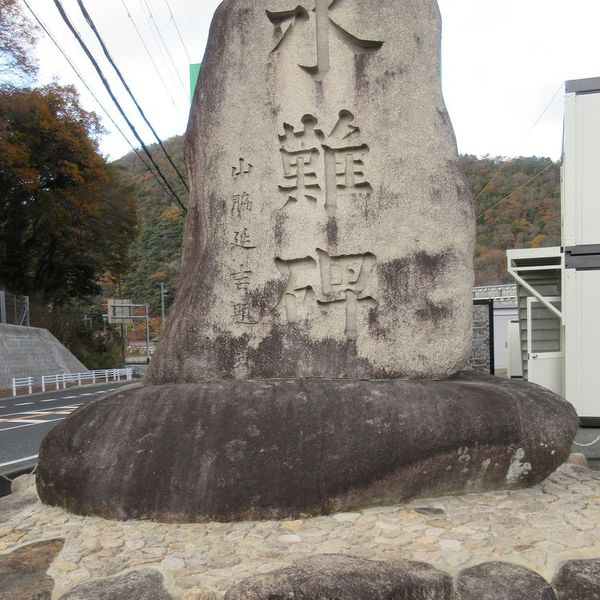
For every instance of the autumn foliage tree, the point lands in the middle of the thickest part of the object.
(17, 38)
(65, 215)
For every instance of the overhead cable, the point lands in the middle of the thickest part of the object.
(505, 164)
(178, 32)
(92, 25)
(515, 190)
(84, 47)
(103, 108)
(152, 20)
(139, 33)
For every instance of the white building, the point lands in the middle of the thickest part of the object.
(558, 288)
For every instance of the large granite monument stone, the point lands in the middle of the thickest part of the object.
(311, 359)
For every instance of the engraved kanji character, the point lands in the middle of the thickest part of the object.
(301, 274)
(342, 167)
(325, 29)
(242, 239)
(244, 314)
(241, 203)
(242, 169)
(241, 278)
(300, 152)
(344, 280)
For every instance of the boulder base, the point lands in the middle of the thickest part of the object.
(267, 449)
(336, 577)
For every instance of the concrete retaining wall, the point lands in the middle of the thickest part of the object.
(29, 351)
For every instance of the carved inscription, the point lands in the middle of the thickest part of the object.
(245, 314)
(242, 239)
(243, 168)
(241, 278)
(240, 204)
(318, 15)
(307, 153)
(242, 248)
(328, 281)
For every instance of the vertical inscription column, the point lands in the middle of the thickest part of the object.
(242, 246)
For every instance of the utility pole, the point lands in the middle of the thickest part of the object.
(162, 303)
(123, 326)
(147, 311)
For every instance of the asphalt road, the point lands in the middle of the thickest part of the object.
(25, 420)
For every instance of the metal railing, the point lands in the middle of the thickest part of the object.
(63, 380)
(14, 309)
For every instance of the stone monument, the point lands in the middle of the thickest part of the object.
(311, 360)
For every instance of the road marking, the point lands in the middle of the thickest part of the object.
(51, 400)
(29, 425)
(69, 397)
(28, 416)
(14, 462)
(24, 404)
(88, 394)
(101, 392)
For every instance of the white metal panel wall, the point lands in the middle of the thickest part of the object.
(582, 341)
(581, 170)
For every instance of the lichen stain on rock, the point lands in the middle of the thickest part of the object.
(332, 233)
(266, 299)
(283, 352)
(361, 81)
(374, 325)
(412, 279)
(434, 312)
(226, 351)
(281, 218)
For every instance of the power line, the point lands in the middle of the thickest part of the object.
(487, 210)
(84, 47)
(178, 32)
(150, 56)
(90, 22)
(501, 169)
(103, 108)
(152, 20)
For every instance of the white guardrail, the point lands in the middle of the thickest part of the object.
(62, 380)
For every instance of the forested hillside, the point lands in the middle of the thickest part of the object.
(517, 203)
(155, 254)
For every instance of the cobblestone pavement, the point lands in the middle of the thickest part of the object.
(537, 528)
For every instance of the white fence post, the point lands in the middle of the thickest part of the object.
(43, 383)
(30, 384)
(14, 387)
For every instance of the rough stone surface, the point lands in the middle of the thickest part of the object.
(330, 230)
(146, 584)
(23, 482)
(538, 528)
(578, 580)
(281, 448)
(502, 581)
(577, 458)
(331, 577)
(23, 571)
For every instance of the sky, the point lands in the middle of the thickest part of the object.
(504, 65)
